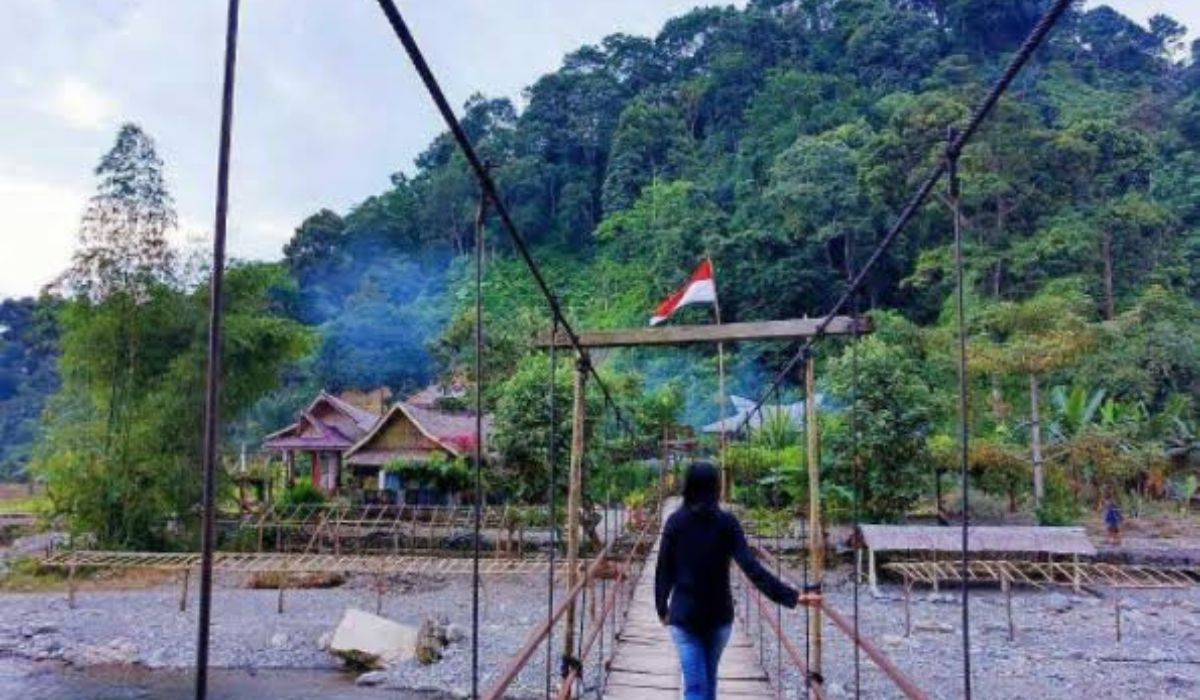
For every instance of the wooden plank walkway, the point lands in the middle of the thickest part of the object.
(646, 666)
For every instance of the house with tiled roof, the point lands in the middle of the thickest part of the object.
(408, 434)
(341, 444)
(320, 437)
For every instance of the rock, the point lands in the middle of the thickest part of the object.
(1058, 602)
(324, 640)
(431, 640)
(38, 628)
(933, 626)
(455, 633)
(369, 641)
(372, 678)
(114, 653)
(279, 640)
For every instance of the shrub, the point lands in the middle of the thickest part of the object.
(302, 494)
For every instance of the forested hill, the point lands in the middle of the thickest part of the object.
(781, 139)
(776, 138)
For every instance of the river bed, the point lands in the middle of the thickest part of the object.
(53, 681)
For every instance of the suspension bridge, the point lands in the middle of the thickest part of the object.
(642, 665)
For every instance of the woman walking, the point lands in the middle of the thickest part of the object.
(691, 582)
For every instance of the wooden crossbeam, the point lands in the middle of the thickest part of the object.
(298, 563)
(792, 329)
(1041, 574)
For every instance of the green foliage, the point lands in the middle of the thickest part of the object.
(302, 494)
(441, 471)
(121, 448)
(1059, 507)
(883, 388)
(779, 138)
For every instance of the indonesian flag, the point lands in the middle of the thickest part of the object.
(700, 289)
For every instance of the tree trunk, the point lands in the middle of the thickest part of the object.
(1106, 255)
(1035, 433)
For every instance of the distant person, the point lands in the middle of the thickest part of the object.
(691, 582)
(1112, 521)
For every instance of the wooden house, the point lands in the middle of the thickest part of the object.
(412, 434)
(321, 436)
(344, 443)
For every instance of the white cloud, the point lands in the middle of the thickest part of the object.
(40, 224)
(80, 104)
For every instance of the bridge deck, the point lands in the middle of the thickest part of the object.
(646, 666)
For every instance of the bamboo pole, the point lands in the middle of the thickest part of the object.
(722, 437)
(574, 498)
(816, 540)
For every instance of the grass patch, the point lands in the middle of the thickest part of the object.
(25, 504)
(25, 576)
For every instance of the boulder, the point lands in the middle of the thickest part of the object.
(372, 678)
(455, 633)
(933, 626)
(368, 641)
(431, 640)
(117, 652)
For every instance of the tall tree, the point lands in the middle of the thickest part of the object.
(123, 244)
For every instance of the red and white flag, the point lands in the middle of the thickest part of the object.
(700, 289)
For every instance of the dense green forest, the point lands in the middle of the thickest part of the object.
(780, 139)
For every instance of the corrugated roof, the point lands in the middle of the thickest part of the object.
(980, 538)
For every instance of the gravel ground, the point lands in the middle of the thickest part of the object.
(1065, 645)
(146, 628)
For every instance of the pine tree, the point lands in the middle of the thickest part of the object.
(123, 236)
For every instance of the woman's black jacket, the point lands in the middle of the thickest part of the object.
(691, 581)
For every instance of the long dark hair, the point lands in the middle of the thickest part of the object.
(700, 486)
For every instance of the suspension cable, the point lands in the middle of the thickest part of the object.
(552, 456)
(212, 385)
(954, 192)
(1035, 39)
(480, 220)
(856, 457)
(404, 34)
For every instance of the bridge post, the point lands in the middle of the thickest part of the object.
(575, 499)
(816, 536)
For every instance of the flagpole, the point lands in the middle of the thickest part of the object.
(726, 479)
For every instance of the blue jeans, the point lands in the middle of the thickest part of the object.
(699, 655)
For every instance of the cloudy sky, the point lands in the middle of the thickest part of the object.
(327, 108)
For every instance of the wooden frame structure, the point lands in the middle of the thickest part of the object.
(790, 330)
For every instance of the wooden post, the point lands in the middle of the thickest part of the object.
(1007, 586)
(816, 537)
(574, 499)
(71, 587)
(183, 593)
(1076, 583)
(872, 576)
(908, 584)
(1117, 610)
(279, 604)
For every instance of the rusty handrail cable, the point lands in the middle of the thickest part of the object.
(795, 654)
(542, 631)
(623, 579)
(906, 685)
